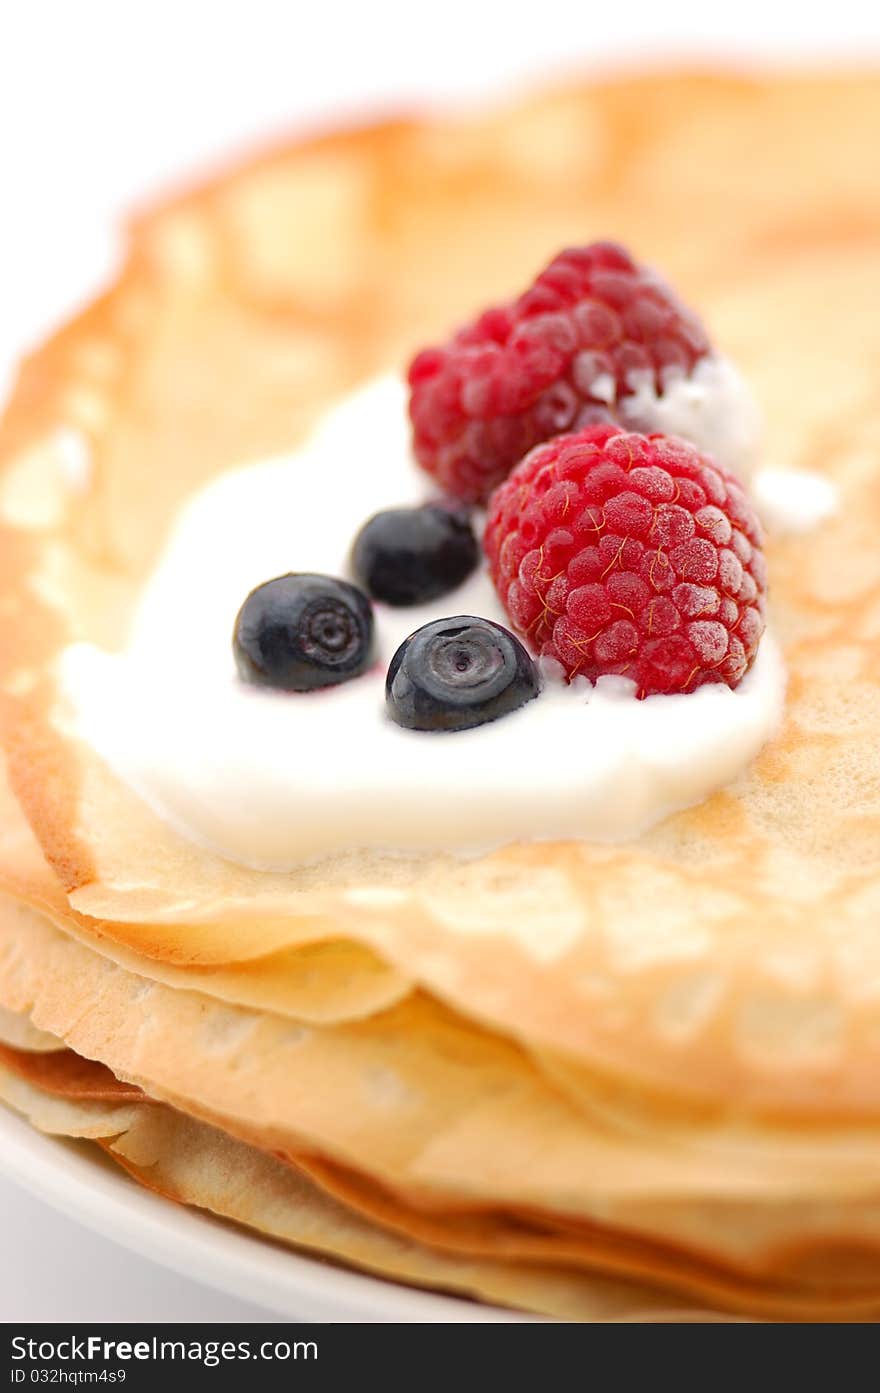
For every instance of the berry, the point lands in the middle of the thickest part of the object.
(630, 554)
(456, 673)
(592, 329)
(408, 556)
(299, 632)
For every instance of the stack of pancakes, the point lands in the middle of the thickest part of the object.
(595, 1082)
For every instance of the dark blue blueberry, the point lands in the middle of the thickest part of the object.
(408, 556)
(456, 673)
(303, 631)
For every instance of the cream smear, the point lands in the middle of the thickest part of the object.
(276, 779)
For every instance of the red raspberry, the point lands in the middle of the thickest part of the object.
(589, 329)
(630, 554)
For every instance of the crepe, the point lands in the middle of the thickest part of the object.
(317, 982)
(18, 1031)
(656, 1059)
(186, 1161)
(198, 1165)
(494, 1164)
(728, 953)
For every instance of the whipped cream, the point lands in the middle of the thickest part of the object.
(793, 500)
(274, 779)
(712, 406)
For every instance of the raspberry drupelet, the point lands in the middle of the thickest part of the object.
(629, 554)
(593, 327)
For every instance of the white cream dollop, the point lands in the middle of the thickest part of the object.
(712, 406)
(793, 500)
(274, 779)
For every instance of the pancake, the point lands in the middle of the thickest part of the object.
(655, 1060)
(171, 1153)
(726, 954)
(193, 1164)
(18, 1031)
(318, 982)
(454, 1123)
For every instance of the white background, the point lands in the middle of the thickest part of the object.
(102, 102)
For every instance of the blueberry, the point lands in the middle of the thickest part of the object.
(456, 673)
(408, 556)
(303, 631)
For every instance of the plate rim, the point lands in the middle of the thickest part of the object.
(213, 1251)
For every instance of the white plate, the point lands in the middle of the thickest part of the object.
(77, 1179)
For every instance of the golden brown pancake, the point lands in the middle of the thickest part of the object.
(726, 952)
(468, 1149)
(156, 1144)
(319, 982)
(193, 1164)
(671, 1043)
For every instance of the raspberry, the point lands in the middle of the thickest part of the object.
(631, 554)
(593, 328)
